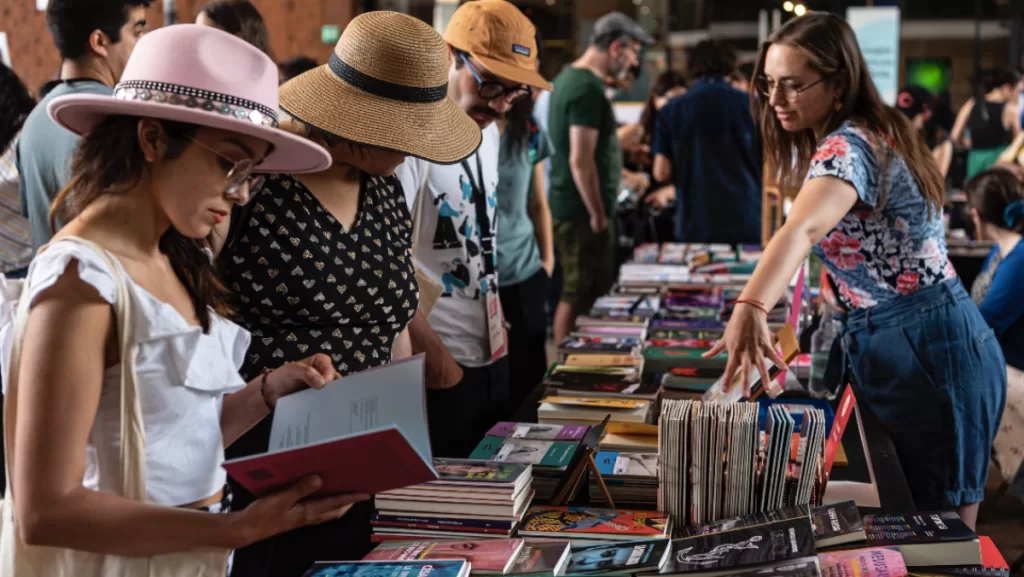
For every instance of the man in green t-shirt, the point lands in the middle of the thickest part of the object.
(586, 164)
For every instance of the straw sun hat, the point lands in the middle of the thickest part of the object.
(201, 76)
(386, 86)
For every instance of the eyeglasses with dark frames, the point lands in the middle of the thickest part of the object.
(490, 89)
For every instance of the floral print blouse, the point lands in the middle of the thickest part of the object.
(891, 243)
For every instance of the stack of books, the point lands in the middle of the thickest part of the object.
(717, 464)
(631, 479)
(587, 388)
(549, 449)
(471, 499)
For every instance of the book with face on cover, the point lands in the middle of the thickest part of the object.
(622, 558)
(487, 556)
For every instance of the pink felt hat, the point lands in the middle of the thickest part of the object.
(202, 76)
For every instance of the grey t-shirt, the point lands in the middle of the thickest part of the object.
(44, 154)
(519, 256)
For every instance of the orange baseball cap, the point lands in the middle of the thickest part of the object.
(500, 37)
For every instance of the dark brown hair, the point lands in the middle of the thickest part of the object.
(241, 18)
(663, 83)
(109, 160)
(992, 191)
(831, 49)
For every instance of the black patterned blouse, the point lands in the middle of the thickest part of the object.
(305, 285)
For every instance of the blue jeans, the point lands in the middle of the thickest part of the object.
(932, 370)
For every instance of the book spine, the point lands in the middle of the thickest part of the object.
(463, 523)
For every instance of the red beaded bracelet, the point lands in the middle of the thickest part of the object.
(756, 304)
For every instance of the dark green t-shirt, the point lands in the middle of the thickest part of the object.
(578, 100)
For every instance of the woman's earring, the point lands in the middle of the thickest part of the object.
(838, 106)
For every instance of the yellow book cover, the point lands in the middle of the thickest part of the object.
(605, 403)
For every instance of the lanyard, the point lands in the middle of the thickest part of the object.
(483, 224)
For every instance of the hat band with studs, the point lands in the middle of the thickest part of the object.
(189, 97)
(383, 88)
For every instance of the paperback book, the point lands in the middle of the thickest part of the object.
(551, 558)
(622, 558)
(593, 523)
(491, 556)
(724, 553)
(453, 568)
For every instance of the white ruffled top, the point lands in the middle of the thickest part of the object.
(183, 375)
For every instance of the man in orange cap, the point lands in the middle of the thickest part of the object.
(494, 53)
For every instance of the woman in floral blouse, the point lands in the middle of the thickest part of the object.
(915, 347)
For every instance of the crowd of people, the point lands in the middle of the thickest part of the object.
(260, 228)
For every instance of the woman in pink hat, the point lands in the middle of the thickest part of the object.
(117, 422)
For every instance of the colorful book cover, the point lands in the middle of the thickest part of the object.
(622, 557)
(539, 432)
(616, 464)
(603, 385)
(674, 354)
(875, 562)
(600, 402)
(602, 361)
(451, 568)
(477, 471)
(541, 558)
(583, 521)
(484, 555)
(529, 451)
(703, 344)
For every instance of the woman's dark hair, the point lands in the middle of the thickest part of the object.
(109, 160)
(241, 18)
(710, 58)
(995, 191)
(663, 83)
(520, 123)
(16, 103)
(832, 51)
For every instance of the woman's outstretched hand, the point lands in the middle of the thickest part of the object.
(749, 343)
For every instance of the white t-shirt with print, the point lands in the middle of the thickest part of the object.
(448, 249)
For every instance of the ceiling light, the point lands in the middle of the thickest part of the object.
(799, 10)
(787, 6)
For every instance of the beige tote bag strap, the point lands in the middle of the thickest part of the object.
(132, 432)
(430, 291)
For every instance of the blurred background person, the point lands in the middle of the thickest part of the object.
(996, 200)
(987, 122)
(238, 17)
(740, 78)
(706, 143)
(586, 168)
(94, 40)
(295, 66)
(526, 248)
(15, 238)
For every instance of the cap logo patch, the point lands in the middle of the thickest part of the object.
(520, 49)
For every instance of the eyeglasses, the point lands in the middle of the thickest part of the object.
(239, 172)
(789, 90)
(489, 89)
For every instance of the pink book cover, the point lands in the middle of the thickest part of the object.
(485, 555)
(875, 562)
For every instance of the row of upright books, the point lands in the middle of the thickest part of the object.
(831, 541)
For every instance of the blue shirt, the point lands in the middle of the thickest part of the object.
(710, 138)
(44, 154)
(519, 255)
(1003, 306)
(891, 243)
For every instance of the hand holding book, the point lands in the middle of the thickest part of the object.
(312, 373)
(749, 342)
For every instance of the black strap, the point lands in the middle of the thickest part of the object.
(383, 88)
(483, 224)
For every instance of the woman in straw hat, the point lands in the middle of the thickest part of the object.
(321, 262)
(122, 458)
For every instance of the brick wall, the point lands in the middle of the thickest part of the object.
(294, 29)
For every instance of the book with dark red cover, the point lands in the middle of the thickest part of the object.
(384, 460)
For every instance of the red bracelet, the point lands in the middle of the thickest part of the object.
(756, 304)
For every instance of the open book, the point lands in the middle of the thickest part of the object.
(365, 433)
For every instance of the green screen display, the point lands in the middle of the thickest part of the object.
(930, 73)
